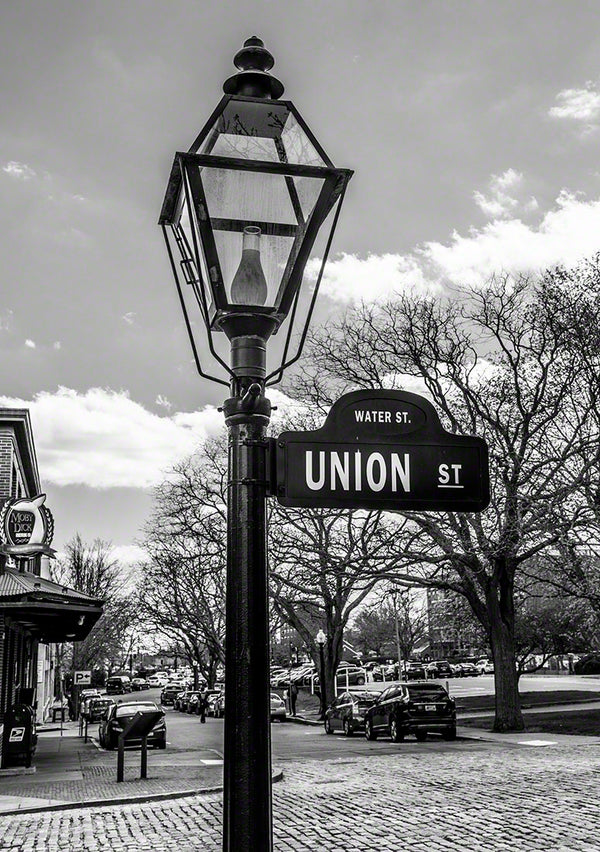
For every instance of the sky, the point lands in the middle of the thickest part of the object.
(472, 129)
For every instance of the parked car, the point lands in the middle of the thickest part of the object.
(444, 669)
(118, 685)
(139, 683)
(180, 700)
(277, 708)
(158, 680)
(347, 712)
(169, 693)
(98, 708)
(469, 669)
(351, 676)
(209, 696)
(119, 716)
(85, 696)
(414, 671)
(485, 666)
(412, 708)
(216, 705)
(192, 701)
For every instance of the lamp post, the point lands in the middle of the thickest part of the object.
(240, 217)
(320, 639)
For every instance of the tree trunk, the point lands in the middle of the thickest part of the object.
(501, 633)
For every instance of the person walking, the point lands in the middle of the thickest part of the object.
(202, 702)
(293, 697)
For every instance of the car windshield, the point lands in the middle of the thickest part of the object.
(130, 709)
(430, 692)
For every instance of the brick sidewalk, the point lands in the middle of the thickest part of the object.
(68, 770)
(497, 799)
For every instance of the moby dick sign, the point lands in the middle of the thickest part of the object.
(383, 450)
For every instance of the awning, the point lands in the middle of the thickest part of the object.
(49, 611)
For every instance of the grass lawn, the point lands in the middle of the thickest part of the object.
(528, 699)
(585, 722)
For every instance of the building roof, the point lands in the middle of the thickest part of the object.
(14, 583)
(51, 612)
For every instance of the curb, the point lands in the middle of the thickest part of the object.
(123, 800)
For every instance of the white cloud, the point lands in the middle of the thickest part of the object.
(104, 439)
(20, 171)
(504, 199)
(6, 320)
(577, 104)
(57, 345)
(30, 343)
(565, 235)
(350, 277)
(129, 317)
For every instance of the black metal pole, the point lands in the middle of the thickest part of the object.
(323, 687)
(247, 810)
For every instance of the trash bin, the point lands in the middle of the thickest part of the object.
(20, 738)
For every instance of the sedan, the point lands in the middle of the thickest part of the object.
(139, 683)
(120, 715)
(347, 712)
(277, 708)
(412, 708)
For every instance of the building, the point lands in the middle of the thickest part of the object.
(35, 612)
(453, 630)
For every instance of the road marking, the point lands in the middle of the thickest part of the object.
(212, 762)
(537, 742)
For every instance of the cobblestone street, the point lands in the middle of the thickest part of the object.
(502, 798)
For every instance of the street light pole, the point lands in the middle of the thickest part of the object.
(321, 639)
(240, 217)
(247, 753)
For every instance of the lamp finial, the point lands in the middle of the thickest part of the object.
(254, 62)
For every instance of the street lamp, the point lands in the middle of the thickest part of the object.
(241, 213)
(320, 639)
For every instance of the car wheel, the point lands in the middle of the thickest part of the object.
(369, 732)
(396, 733)
(421, 736)
(360, 681)
(328, 728)
(449, 734)
(110, 745)
(347, 728)
(161, 744)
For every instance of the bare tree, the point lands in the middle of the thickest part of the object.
(91, 568)
(323, 564)
(497, 363)
(182, 587)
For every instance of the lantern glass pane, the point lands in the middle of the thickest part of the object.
(264, 130)
(232, 194)
(258, 222)
(203, 278)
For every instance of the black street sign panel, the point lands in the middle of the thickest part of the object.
(383, 450)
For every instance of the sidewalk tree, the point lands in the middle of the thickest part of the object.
(323, 564)
(496, 362)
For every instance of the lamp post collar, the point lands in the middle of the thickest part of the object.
(254, 62)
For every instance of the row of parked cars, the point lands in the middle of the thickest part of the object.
(112, 717)
(190, 701)
(418, 708)
(349, 674)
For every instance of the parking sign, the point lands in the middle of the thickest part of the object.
(82, 679)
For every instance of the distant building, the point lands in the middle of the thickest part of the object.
(35, 612)
(453, 630)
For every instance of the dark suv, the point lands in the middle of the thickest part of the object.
(412, 708)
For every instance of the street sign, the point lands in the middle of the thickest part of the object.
(381, 449)
(82, 679)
